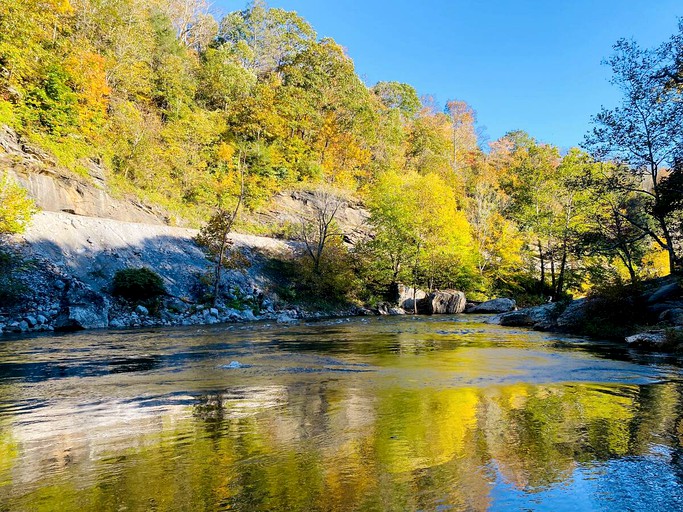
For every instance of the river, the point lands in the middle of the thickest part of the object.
(410, 413)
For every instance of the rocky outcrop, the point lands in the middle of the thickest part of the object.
(288, 208)
(57, 190)
(442, 302)
(501, 305)
(82, 308)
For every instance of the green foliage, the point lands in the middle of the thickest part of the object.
(138, 285)
(16, 208)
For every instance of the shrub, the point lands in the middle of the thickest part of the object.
(16, 208)
(138, 285)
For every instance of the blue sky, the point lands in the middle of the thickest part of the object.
(529, 65)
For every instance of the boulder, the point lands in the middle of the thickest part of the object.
(658, 339)
(672, 316)
(397, 311)
(575, 315)
(442, 302)
(82, 308)
(501, 305)
(665, 293)
(141, 310)
(406, 297)
(539, 317)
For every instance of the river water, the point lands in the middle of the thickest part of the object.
(412, 413)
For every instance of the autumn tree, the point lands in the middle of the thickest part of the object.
(214, 236)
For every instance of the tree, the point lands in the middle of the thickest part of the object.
(319, 227)
(645, 133)
(214, 235)
(16, 208)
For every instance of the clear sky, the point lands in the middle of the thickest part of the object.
(533, 65)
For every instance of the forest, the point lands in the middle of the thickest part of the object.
(210, 118)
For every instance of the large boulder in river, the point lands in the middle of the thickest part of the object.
(494, 306)
(82, 308)
(407, 296)
(575, 316)
(541, 317)
(442, 302)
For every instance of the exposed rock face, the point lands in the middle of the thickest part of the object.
(501, 305)
(55, 189)
(442, 302)
(288, 208)
(82, 308)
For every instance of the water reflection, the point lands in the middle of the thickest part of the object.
(379, 415)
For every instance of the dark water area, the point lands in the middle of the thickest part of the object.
(412, 413)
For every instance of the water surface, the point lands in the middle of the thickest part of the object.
(414, 413)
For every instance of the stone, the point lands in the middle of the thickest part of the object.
(574, 316)
(539, 317)
(397, 311)
(42, 319)
(650, 339)
(502, 305)
(141, 310)
(213, 312)
(177, 305)
(406, 297)
(442, 302)
(665, 293)
(31, 321)
(82, 308)
(285, 318)
(24, 326)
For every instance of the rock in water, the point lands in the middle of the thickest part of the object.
(442, 302)
(494, 306)
(233, 365)
(82, 308)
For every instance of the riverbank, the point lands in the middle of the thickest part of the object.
(649, 315)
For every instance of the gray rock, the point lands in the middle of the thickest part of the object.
(59, 284)
(406, 297)
(141, 310)
(24, 326)
(397, 311)
(42, 319)
(539, 317)
(442, 302)
(501, 305)
(177, 305)
(31, 320)
(665, 293)
(650, 339)
(116, 323)
(213, 312)
(574, 316)
(83, 309)
(285, 318)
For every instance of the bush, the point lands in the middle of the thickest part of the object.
(138, 285)
(16, 208)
